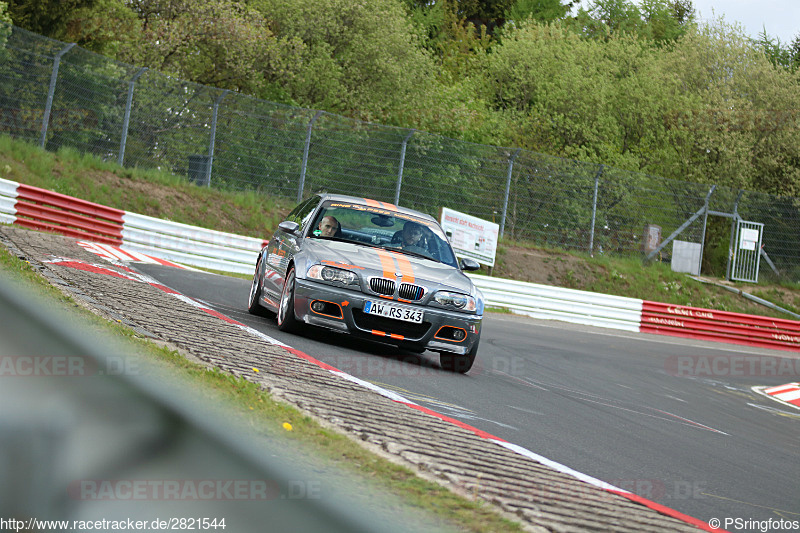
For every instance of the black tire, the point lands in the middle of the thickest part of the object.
(459, 363)
(287, 321)
(253, 304)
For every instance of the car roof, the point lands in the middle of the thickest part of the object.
(374, 203)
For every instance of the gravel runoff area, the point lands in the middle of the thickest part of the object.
(538, 496)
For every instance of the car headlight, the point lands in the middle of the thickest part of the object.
(455, 299)
(332, 275)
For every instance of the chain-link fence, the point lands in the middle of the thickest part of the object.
(56, 94)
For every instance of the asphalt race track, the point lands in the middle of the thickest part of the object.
(671, 420)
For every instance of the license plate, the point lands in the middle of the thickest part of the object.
(396, 312)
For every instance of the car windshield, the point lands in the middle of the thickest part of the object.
(383, 228)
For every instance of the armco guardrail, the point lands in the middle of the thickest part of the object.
(737, 328)
(45, 210)
(555, 303)
(228, 252)
(190, 244)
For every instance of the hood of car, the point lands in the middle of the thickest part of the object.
(370, 261)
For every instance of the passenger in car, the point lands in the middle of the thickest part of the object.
(329, 227)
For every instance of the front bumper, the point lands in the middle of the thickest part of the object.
(342, 310)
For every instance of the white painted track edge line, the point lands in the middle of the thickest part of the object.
(558, 466)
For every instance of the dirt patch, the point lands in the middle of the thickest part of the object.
(546, 268)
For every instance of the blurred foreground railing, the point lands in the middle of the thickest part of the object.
(90, 432)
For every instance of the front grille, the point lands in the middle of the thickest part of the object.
(382, 286)
(411, 292)
(388, 325)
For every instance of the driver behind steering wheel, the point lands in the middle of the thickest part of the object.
(411, 235)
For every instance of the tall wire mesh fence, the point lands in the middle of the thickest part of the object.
(56, 94)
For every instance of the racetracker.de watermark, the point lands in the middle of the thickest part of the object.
(192, 489)
(65, 366)
(660, 489)
(732, 366)
(374, 366)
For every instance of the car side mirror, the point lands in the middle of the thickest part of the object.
(289, 226)
(469, 264)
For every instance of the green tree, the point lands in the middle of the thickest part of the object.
(659, 20)
(221, 43)
(738, 126)
(542, 10)
(107, 27)
(356, 58)
(581, 98)
(454, 41)
(46, 17)
(474, 10)
(794, 51)
(667, 20)
(778, 54)
(5, 25)
(4, 15)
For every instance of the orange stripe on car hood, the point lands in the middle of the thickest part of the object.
(387, 263)
(393, 263)
(406, 269)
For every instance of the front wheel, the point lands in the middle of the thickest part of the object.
(287, 321)
(459, 363)
(254, 305)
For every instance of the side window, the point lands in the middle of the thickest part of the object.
(302, 213)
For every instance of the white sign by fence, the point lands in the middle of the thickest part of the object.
(471, 236)
(749, 239)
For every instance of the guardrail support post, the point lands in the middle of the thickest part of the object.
(305, 157)
(594, 208)
(508, 192)
(402, 165)
(213, 136)
(127, 118)
(49, 105)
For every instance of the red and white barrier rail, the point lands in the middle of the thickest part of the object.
(723, 326)
(48, 211)
(45, 210)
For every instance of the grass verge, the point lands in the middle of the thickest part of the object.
(151, 192)
(256, 409)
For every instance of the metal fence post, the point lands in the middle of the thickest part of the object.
(594, 208)
(402, 165)
(705, 224)
(49, 105)
(305, 157)
(127, 118)
(213, 136)
(733, 233)
(508, 191)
